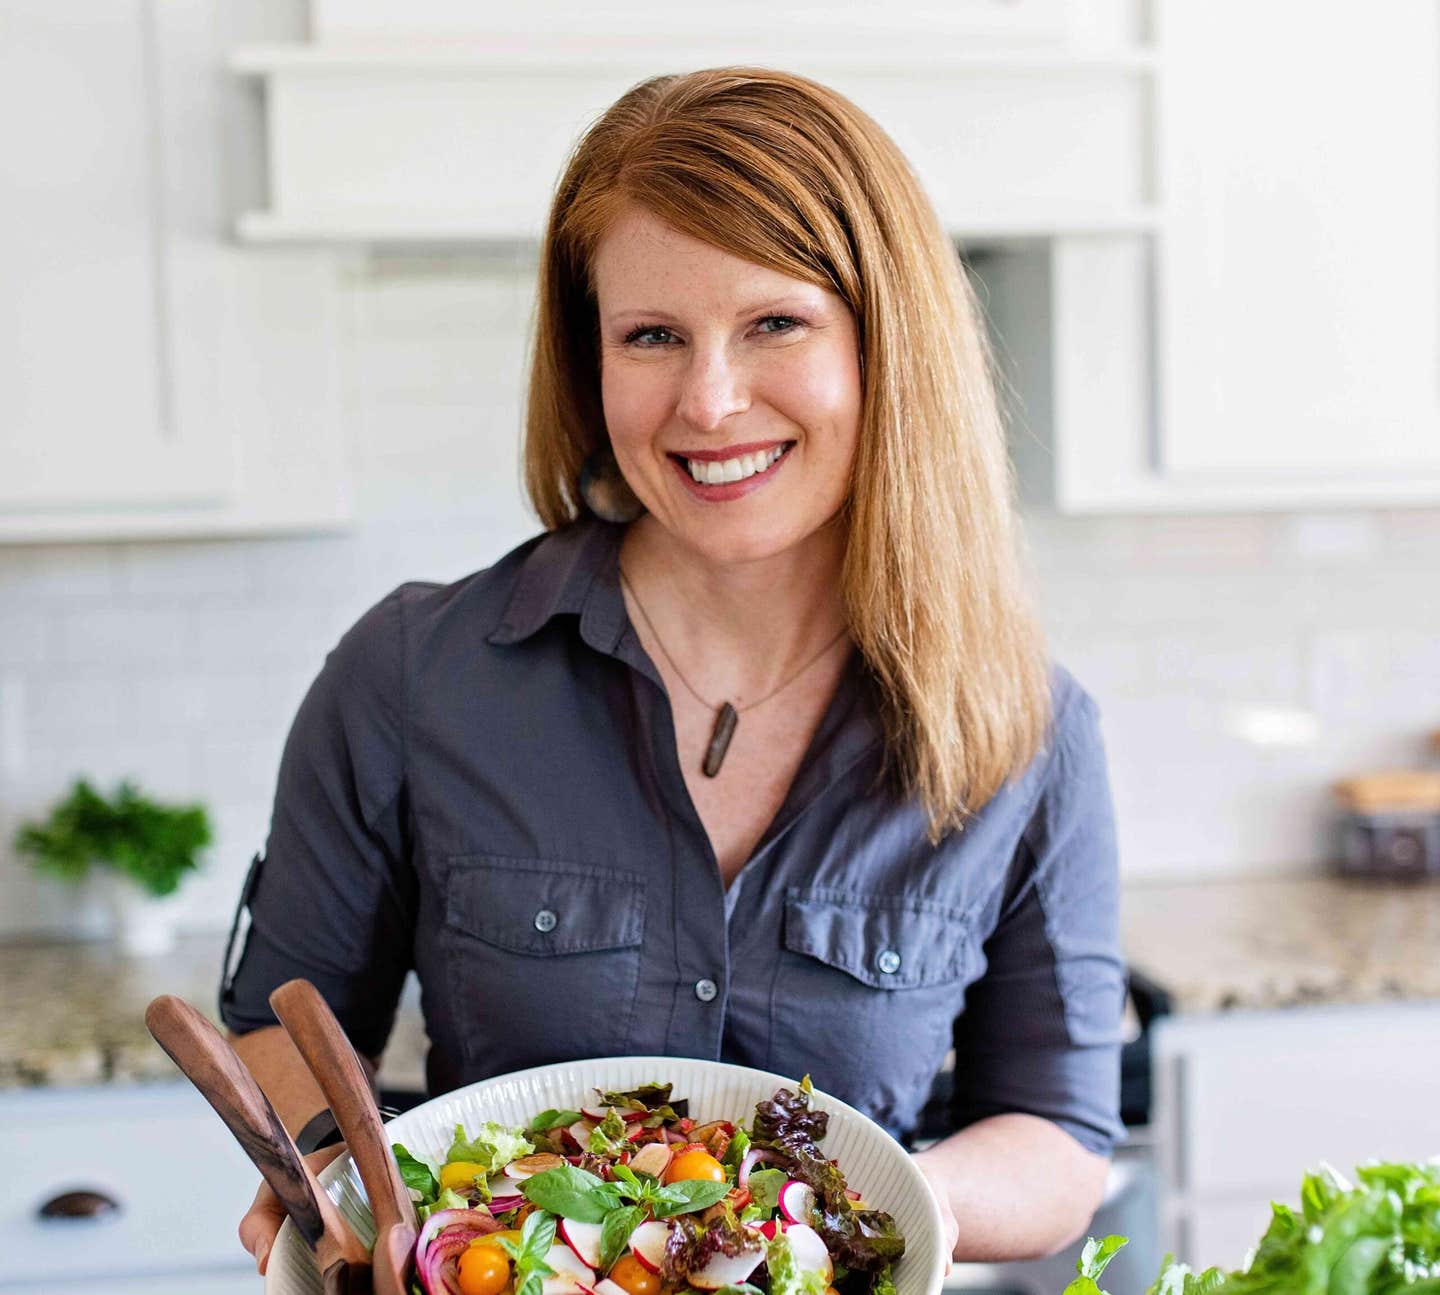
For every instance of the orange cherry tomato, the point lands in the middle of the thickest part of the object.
(633, 1277)
(484, 1270)
(695, 1164)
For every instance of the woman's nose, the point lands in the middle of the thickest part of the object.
(714, 389)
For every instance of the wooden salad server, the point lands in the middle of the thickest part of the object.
(332, 1059)
(212, 1065)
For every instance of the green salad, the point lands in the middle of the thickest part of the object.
(1376, 1236)
(631, 1196)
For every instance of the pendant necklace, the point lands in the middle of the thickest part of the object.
(727, 716)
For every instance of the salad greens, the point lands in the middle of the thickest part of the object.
(1377, 1236)
(631, 1196)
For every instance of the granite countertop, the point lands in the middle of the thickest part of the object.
(1256, 944)
(74, 1013)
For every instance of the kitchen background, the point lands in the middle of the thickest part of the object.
(250, 389)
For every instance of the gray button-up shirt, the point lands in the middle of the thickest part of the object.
(482, 784)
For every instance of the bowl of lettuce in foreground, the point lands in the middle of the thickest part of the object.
(877, 1173)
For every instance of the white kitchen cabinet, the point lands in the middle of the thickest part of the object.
(1300, 303)
(154, 378)
(1274, 339)
(394, 125)
(180, 1180)
(1247, 1103)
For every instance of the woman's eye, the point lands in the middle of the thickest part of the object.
(654, 335)
(635, 334)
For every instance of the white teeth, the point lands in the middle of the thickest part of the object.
(714, 473)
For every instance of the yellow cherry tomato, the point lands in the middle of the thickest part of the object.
(483, 1270)
(494, 1238)
(695, 1164)
(633, 1277)
(460, 1173)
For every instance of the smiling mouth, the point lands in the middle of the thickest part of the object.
(715, 472)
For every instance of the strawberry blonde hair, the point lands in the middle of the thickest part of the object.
(786, 173)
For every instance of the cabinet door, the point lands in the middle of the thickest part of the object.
(1300, 309)
(179, 1179)
(90, 409)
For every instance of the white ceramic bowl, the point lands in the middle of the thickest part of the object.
(873, 1162)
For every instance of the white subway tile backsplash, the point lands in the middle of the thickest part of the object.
(76, 704)
(186, 572)
(60, 574)
(26, 634)
(120, 637)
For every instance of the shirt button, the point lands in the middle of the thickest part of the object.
(705, 990)
(888, 961)
(545, 920)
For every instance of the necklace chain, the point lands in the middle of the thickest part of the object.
(739, 710)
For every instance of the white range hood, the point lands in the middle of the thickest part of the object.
(443, 122)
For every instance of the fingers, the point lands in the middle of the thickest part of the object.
(263, 1219)
(260, 1224)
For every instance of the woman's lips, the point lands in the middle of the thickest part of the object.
(726, 490)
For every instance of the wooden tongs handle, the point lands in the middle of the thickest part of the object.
(212, 1065)
(333, 1061)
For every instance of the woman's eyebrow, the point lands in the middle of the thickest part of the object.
(791, 300)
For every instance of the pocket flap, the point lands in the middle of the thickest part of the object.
(883, 941)
(540, 906)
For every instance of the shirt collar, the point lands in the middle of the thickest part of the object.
(574, 570)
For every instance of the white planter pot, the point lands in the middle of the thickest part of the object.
(141, 924)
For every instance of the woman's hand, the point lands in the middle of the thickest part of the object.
(951, 1225)
(265, 1215)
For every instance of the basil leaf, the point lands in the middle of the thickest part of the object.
(615, 1233)
(685, 1197)
(536, 1238)
(415, 1173)
(553, 1119)
(571, 1193)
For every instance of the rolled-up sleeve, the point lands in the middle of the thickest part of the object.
(333, 898)
(1041, 1029)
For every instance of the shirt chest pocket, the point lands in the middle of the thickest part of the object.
(543, 957)
(866, 993)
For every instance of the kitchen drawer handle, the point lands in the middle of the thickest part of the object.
(81, 1205)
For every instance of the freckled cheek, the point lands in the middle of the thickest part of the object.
(635, 407)
(822, 396)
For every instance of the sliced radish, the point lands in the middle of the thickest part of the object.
(797, 1201)
(583, 1239)
(529, 1166)
(606, 1287)
(564, 1284)
(565, 1261)
(579, 1133)
(598, 1114)
(647, 1244)
(809, 1249)
(770, 1227)
(723, 1270)
(653, 1159)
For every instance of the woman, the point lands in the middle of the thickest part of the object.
(755, 754)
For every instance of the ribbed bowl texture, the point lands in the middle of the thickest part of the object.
(872, 1161)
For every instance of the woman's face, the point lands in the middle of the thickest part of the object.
(731, 392)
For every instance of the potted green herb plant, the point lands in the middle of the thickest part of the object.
(141, 848)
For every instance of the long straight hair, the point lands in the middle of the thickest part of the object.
(786, 173)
